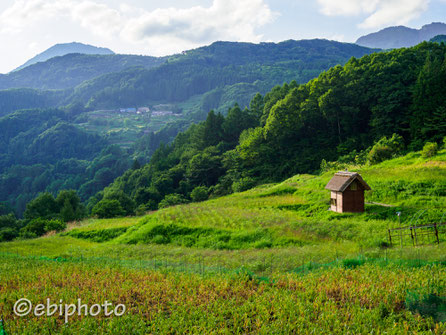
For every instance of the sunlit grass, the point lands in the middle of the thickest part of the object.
(282, 232)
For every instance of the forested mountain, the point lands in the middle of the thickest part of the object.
(65, 49)
(373, 106)
(43, 150)
(53, 149)
(439, 39)
(401, 36)
(71, 70)
(293, 128)
(219, 75)
(221, 64)
(23, 98)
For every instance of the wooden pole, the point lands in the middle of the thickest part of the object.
(436, 233)
(416, 238)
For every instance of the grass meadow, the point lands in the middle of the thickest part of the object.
(272, 260)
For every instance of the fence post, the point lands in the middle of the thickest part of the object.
(390, 241)
(436, 233)
(415, 234)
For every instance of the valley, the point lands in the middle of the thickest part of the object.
(296, 187)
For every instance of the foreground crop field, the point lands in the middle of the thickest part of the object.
(337, 300)
(269, 260)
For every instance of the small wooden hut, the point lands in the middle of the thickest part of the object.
(347, 192)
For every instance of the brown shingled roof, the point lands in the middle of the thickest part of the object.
(343, 179)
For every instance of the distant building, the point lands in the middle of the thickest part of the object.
(127, 110)
(162, 113)
(143, 109)
(347, 192)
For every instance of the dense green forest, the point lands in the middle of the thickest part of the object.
(439, 39)
(212, 73)
(349, 113)
(201, 70)
(71, 70)
(50, 143)
(369, 110)
(27, 98)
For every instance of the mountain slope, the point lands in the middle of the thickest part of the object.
(439, 39)
(293, 128)
(64, 49)
(273, 253)
(217, 72)
(399, 37)
(70, 70)
(23, 98)
(222, 63)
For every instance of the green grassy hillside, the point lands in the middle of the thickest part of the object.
(269, 260)
(291, 214)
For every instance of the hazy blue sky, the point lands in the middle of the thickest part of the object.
(28, 27)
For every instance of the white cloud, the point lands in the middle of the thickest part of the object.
(166, 29)
(347, 7)
(225, 19)
(379, 12)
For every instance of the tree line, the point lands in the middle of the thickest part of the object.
(366, 111)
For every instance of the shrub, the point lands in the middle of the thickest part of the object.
(379, 153)
(126, 203)
(8, 221)
(430, 149)
(55, 225)
(35, 227)
(151, 205)
(385, 148)
(8, 234)
(199, 193)
(39, 227)
(172, 200)
(243, 184)
(352, 263)
(108, 208)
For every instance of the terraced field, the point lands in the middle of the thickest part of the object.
(269, 260)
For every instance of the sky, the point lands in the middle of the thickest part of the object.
(158, 28)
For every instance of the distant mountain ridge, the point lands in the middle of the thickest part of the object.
(68, 71)
(401, 36)
(220, 64)
(65, 49)
(210, 77)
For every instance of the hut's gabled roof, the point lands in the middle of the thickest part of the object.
(343, 179)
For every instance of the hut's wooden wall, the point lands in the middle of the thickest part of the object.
(353, 198)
